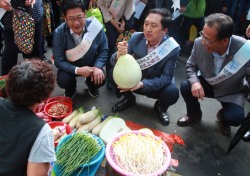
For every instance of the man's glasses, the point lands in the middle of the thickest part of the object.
(79, 18)
(205, 40)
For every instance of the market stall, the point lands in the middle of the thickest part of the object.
(87, 134)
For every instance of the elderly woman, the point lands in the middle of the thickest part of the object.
(26, 141)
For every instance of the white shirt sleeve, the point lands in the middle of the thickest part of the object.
(43, 149)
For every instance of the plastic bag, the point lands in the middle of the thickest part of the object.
(192, 33)
(96, 13)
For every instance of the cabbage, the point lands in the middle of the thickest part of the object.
(127, 72)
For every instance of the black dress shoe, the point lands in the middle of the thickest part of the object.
(162, 116)
(246, 137)
(186, 120)
(124, 104)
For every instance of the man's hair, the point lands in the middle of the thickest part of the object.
(72, 4)
(222, 23)
(30, 82)
(166, 16)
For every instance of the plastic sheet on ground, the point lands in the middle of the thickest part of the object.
(169, 139)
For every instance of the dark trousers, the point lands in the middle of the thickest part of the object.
(232, 114)
(10, 52)
(185, 25)
(166, 96)
(66, 80)
(1, 41)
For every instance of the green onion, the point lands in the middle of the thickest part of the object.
(76, 151)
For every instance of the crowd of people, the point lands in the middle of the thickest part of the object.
(218, 67)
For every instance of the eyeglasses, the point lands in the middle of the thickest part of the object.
(205, 40)
(79, 18)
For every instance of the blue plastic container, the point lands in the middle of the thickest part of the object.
(86, 169)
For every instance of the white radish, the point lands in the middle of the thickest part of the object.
(96, 131)
(78, 124)
(72, 123)
(70, 117)
(89, 116)
(89, 126)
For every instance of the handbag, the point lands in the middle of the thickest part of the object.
(24, 30)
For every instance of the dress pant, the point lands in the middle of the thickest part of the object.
(185, 25)
(167, 96)
(66, 80)
(10, 52)
(232, 114)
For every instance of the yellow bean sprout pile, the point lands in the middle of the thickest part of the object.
(139, 153)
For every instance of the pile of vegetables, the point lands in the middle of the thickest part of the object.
(84, 122)
(78, 150)
(139, 154)
(91, 122)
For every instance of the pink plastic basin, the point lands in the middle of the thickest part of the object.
(111, 159)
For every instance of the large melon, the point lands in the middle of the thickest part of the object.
(127, 72)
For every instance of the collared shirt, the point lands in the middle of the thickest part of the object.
(77, 39)
(218, 60)
(152, 48)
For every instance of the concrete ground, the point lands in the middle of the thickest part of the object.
(204, 152)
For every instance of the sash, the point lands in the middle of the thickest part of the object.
(115, 7)
(79, 51)
(239, 60)
(158, 54)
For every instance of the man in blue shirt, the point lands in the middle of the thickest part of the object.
(78, 50)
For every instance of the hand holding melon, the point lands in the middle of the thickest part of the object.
(127, 72)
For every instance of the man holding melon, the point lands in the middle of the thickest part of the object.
(80, 48)
(156, 54)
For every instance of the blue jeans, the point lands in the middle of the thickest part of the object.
(232, 114)
(10, 52)
(232, 6)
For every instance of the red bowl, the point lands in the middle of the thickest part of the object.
(56, 124)
(49, 105)
(60, 98)
(40, 107)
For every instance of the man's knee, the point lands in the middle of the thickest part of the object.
(65, 80)
(233, 118)
(185, 88)
(171, 94)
